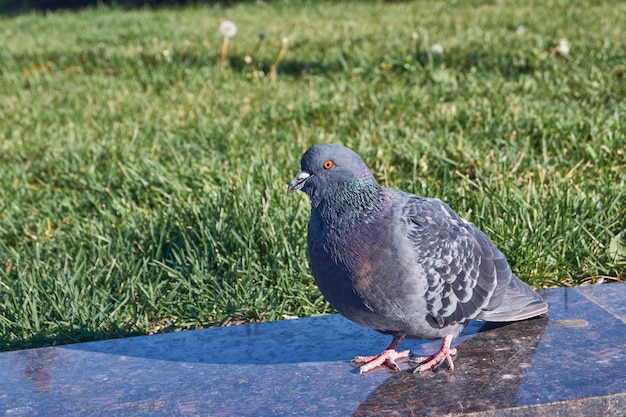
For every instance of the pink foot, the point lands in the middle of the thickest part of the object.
(430, 362)
(388, 357)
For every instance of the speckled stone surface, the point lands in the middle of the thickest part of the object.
(569, 364)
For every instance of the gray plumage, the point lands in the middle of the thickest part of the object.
(399, 263)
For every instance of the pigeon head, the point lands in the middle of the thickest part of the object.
(327, 170)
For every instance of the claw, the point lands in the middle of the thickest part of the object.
(431, 362)
(388, 357)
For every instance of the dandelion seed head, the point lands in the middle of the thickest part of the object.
(563, 47)
(228, 28)
(436, 49)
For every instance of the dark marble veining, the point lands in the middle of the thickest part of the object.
(571, 363)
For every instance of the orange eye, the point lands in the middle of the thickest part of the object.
(328, 164)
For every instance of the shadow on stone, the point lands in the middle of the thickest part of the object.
(488, 374)
(571, 364)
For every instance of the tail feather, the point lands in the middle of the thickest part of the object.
(520, 302)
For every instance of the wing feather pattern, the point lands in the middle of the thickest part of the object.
(462, 266)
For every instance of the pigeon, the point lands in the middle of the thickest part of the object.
(402, 264)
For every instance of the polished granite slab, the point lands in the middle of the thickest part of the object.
(572, 363)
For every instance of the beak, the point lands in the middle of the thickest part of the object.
(298, 182)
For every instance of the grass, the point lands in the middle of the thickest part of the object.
(144, 190)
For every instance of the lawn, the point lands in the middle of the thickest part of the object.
(143, 188)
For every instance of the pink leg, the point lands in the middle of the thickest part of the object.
(446, 352)
(388, 357)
